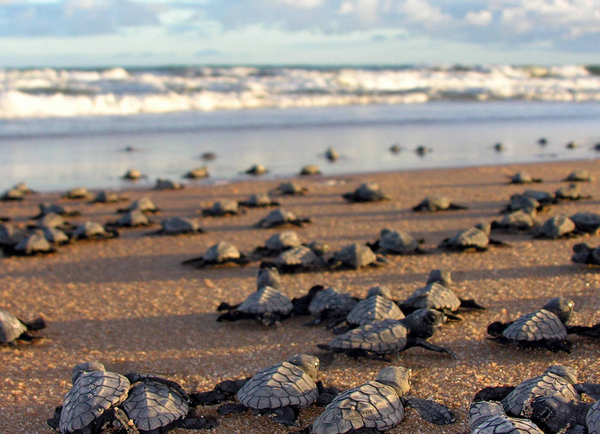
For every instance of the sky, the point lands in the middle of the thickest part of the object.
(91, 33)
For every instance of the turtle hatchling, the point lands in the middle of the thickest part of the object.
(279, 243)
(290, 189)
(392, 242)
(332, 155)
(324, 303)
(516, 221)
(198, 173)
(54, 235)
(310, 169)
(222, 253)
(437, 203)
(558, 414)
(12, 195)
(579, 175)
(257, 169)
(519, 202)
(588, 222)
(50, 208)
(143, 204)
(297, 259)
(131, 219)
(167, 184)
(13, 330)
(570, 192)
(10, 235)
(584, 254)
(258, 200)
(542, 328)
(77, 193)
(523, 178)
(267, 305)
(106, 196)
(487, 417)
(222, 208)
(472, 239)
(133, 175)
(179, 226)
(282, 389)
(280, 217)
(93, 231)
(383, 338)
(543, 197)
(32, 244)
(21, 186)
(354, 257)
(559, 226)
(367, 192)
(377, 406)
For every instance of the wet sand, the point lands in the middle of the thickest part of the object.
(131, 305)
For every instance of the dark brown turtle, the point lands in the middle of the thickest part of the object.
(559, 226)
(259, 200)
(167, 184)
(280, 217)
(522, 203)
(14, 330)
(499, 147)
(290, 188)
(256, 170)
(523, 178)
(24, 188)
(559, 414)
(208, 156)
(133, 175)
(77, 193)
(223, 208)
(131, 219)
(587, 222)
(54, 235)
(395, 148)
(222, 253)
(392, 242)
(332, 155)
(543, 197)
(143, 204)
(572, 145)
(198, 173)
(516, 221)
(579, 175)
(107, 196)
(298, 259)
(472, 239)
(324, 304)
(367, 192)
(437, 203)
(570, 192)
(584, 254)
(354, 257)
(422, 150)
(267, 305)
(279, 243)
(31, 244)
(10, 235)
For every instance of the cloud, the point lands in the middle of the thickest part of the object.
(480, 18)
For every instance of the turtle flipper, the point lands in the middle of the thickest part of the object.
(234, 315)
(420, 342)
(493, 393)
(591, 332)
(469, 303)
(197, 423)
(55, 421)
(287, 416)
(326, 394)
(231, 408)
(431, 411)
(212, 397)
(226, 306)
(457, 207)
(195, 262)
(342, 329)
(590, 389)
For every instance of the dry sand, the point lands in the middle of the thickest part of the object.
(131, 305)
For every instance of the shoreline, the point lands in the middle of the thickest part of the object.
(130, 304)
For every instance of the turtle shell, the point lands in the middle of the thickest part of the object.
(398, 242)
(472, 237)
(133, 218)
(89, 230)
(266, 300)
(481, 411)
(277, 217)
(280, 385)
(167, 184)
(33, 243)
(283, 241)
(224, 207)
(521, 178)
(592, 418)
(586, 221)
(518, 402)
(259, 199)
(519, 220)
(91, 395)
(143, 204)
(507, 425)
(179, 225)
(290, 188)
(355, 256)
(436, 203)
(331, 298)
(10, 327)
(434, 296)
(221, 252)
(51, 220)
(153, 405)
(518, 202)
(579, 175)
(300, 256)
(369, 192)
(556, 227)
(371, 309)
(383, 337)
(372, 405)
(536, 326)
(540, 196)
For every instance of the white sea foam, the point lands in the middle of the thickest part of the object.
(69, 93)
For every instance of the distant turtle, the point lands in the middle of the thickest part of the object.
(52, 220)
(472, 239)
(13, 330)
(93, 231)
(257, 169)
(572, 145)
(570, 192)
(77, 193)
(392, 242)
(198, 173)
(437, 295)
(282, 389)
(310, 169)
(143, 204)
(12, 194)
(522, 203)
(367, 192)
(380, 339)
(268, 276)
(133, 175)
(54, 235)
(280, 217)
(377, 406)
(32, 244)
(10, 235)
(290, 188)
(355, 256)
(579, 175)
(179, 226)
(298, 259)
(516, 221)
(47, 208)
(437, 203)
(24, 188)
(584, 254)
(167, 184)
(545, 328)
(487, 417)
(395, 148)
(267, 305)
(559, 226)
(499, 147)
(279, 243)
(543, 141)
(107, 196)
(378, 305)
(208, 156)
(543, 197)
(423, 150)
(222, 208)
(222, 253)
(523, 178)
(131, 219)
(258, 200)
(587, 222)
(332, 155)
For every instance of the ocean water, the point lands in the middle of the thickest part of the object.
(64, 128)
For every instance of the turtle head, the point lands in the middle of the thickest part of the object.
(553, 413)
(83, 368)
(422, 323)
(382, 291)
(561, 307)
(566, 372)
(396, 376)
(484, 227)
(481, 411)
(309, 364)
(443, 277)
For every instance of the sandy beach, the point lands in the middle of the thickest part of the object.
(130, 304)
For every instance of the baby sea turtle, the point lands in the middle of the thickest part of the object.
(13, 330)
(10, 235)
(572, 145)
(290, 188)
(437, 295)
(377, 406)
(488, 417)
(325, 303)
(516, 221)
(472, 239)
(48, 208)
(52, 220)
(208, 156)
(355, 256)
(367, 192)
(54, 235)
(587, 222)
(395, 148)
(559, 226)
(258, 200)
(222, 253)
(499, 147)
(280, 217)
(522, 203)
(133, 175)
(107, 196)
(257, 169)
(579, 175)
(282, 389)
(392, 242)
(198, 173)
(310, 169)
(93, 231)
(423, 150)
(267, 305)
(584, 254)
(12, 195)
(32, 244)
(542, 328)
(131, 219)
(543, 141)
(558, 414)
(167, 184)
(543, 197)
(437, 203)
(24, 188)
(223, 208)
(279, 243)
(383, 338)
(332, 155)
(298, 259)
(523, 178)
(179, 226)
(143, 204)
(570, 192)
(77, 193)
